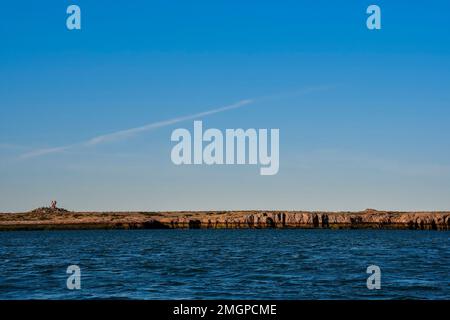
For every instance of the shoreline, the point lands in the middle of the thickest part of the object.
(60, 219)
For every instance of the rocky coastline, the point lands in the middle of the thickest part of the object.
(60, 219)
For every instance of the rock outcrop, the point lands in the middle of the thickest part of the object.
(368, 219)
(316, 220)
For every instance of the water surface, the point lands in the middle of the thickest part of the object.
(225, 264)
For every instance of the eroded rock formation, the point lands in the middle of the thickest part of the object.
(368, 219)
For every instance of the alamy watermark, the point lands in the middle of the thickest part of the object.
(373, 22)
(74, 280)
(374, 280)
(73, 21)
(235, 146)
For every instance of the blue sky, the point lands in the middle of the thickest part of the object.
(370, 131)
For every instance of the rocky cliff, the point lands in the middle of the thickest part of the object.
(46, 218)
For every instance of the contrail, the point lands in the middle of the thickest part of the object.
(124, 134)
(44, 151)
(155, 125)
(127, 133)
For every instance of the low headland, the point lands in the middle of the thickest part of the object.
(61, 219)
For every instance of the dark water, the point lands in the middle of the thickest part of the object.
(225, 264)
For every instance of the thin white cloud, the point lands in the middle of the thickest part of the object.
(128, 133)
(44, 151)
(123, 134)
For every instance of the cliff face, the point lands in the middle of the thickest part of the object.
(319, 220)
(369, 219)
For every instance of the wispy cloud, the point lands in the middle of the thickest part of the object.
(44, 151)
(123, 134)
(128, 133)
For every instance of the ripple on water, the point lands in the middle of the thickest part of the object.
(225, 264)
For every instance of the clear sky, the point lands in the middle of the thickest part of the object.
(363, 115)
